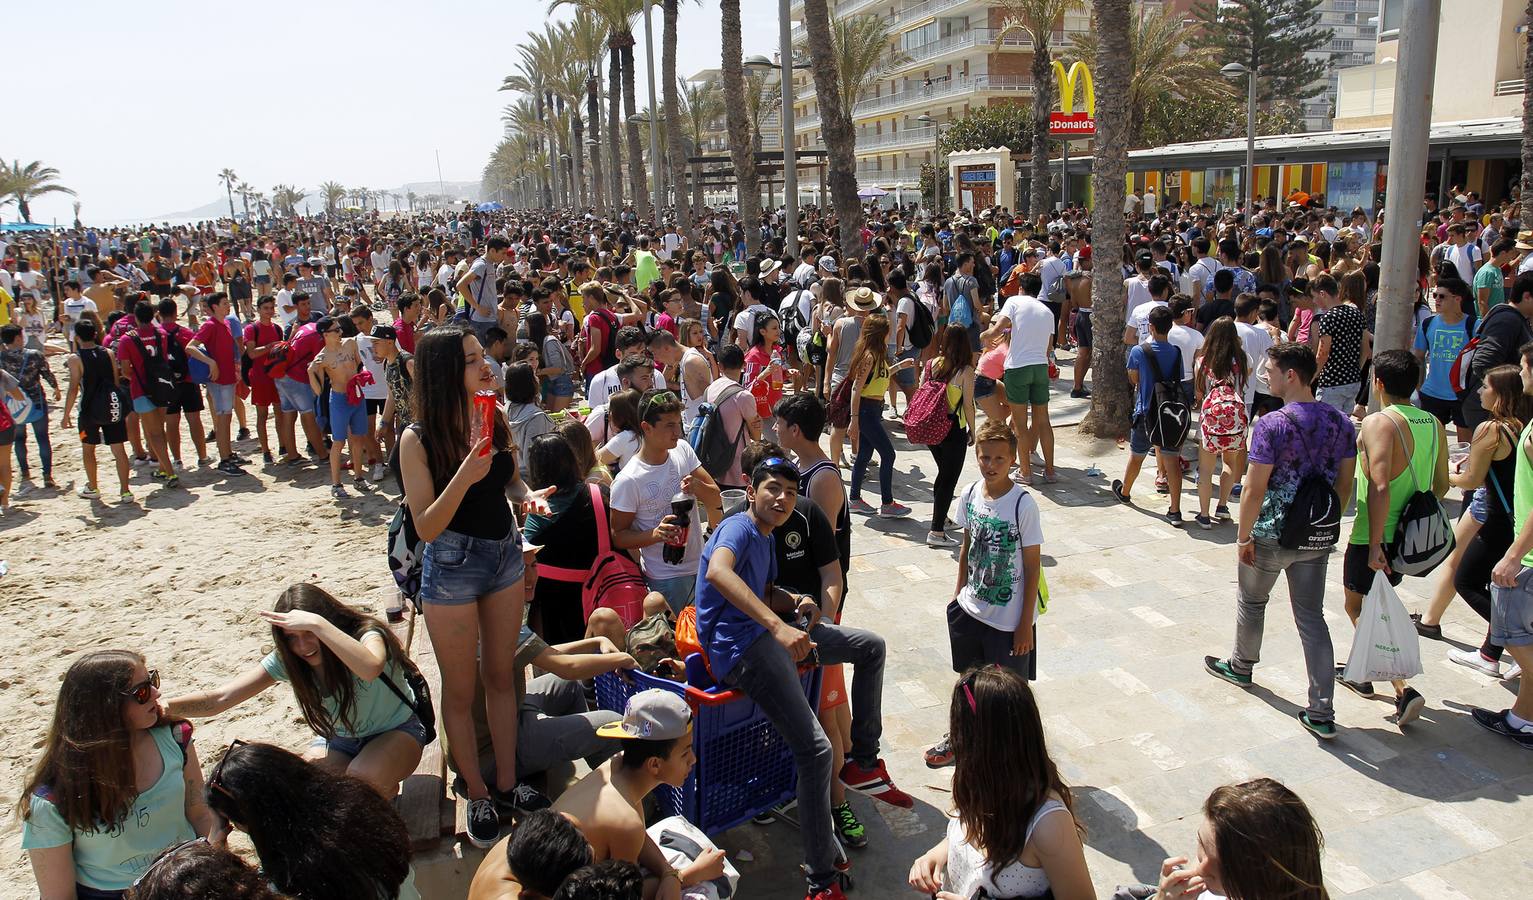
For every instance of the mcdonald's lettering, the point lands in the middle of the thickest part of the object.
(1068, 122)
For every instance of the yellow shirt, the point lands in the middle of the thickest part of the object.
(6, 302)
(878, 383)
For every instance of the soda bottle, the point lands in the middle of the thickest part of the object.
(675, 549)
(484, 418)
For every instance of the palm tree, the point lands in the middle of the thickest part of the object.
(835, 128)
(334, 193)
(702, 103)
(570, 85)
(1112, 401)
(673, 121)
(741, 144)
(21, 184)
(1036, 19)
(1161, 65)
(864, 53)
(410, 198)
(522, 117)
(244, 191)
(285, 198)
(76, 207)
(588, 44)
(761, 101)
(229, 179)
(617, 16)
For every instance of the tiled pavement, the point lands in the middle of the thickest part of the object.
(1142, 733)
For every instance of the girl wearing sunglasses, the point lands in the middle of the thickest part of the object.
(117, 783)
(336, 658)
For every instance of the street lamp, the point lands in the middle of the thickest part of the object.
(1235, 71)
(938, 176)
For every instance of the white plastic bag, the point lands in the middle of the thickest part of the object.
(682, 842)
(1386, 646)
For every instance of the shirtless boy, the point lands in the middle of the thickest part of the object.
(348, 419)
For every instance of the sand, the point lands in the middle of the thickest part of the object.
(176, 576)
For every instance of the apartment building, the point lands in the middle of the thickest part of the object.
(1353, 24)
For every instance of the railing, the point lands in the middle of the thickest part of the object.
(911, 177)
(964, 40)
(851, 7)
(922, 10)
(968, 84)
(1511, 87)
(920, 135)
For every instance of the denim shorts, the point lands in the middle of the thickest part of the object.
(297, 397)
(1477, 508)
(458, 569)
(559, 386)
(222, 396)
(351, 746)
(907, 377)
(1139, 439)
(1341, 396)
(983, 387)
(678, 591)
(1511, 612)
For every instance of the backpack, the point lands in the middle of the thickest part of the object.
(176, 356)
(156, 379)
(420, 688)
(608, 355)
(928, 420)
(613, 579)
(1223, 413)
(839, 411)
(1313, 518)
(813, 349)
(921, 327)
(1424, 535)
(405, 551)
(1168, 419)
(1463, 365)
(793, 323)
(709, 438)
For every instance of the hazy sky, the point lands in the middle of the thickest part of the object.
(139, 107)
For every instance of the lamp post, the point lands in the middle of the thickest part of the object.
(939, 176)
(1234, 71)
(567, 178)
(654, 131)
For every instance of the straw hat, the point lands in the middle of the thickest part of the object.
(862, 299)
(1525, 240)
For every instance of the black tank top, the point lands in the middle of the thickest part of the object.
(97, 387)
(843, 521)
(485, 512)
(1498, 529)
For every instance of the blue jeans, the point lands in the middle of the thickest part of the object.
(872, 436)
(39, 423)
(767, 675)
(1341, 396)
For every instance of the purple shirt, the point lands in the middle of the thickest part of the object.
(1324, 440)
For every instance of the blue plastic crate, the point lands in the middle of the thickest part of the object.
(744, 766)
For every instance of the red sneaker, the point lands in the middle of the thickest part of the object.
(827, 893)
(875, 782)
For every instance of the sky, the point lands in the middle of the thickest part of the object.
(140, 112)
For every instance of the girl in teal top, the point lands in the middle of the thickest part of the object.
(118, 782)
(335, 657)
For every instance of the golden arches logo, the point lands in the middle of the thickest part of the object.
(1067, 81)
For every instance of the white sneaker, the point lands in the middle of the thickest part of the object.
(1472, 659)
(22, 489)
(1515, 671)
(90, 493)
(940, 539)
(376, 473)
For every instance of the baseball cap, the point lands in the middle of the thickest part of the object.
(828, 263)
(652, 715)
(383, 333)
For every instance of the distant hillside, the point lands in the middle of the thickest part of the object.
(458, 190)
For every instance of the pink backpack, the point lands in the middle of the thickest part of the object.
(614, 579)
(928, 418)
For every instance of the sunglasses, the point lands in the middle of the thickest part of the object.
(661, 397)
(774, 462)
(141, 692)
(215, 780)
(167, 855)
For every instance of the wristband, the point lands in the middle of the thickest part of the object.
(1245, 543)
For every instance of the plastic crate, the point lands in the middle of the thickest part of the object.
(744, 765)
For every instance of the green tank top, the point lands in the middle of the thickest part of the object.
(1414, 477)
(1522, 493)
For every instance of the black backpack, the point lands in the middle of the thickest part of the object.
(921, 327)
(1424, 534)
(793, 323)
(156, 380)
(710, 439)
(176, 356)
(1169, 418)
(1313, 519)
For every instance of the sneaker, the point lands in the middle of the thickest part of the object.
(1221, 668)
(1203, 522)
(875, 783)
(1325, 730)
(203, 462)
(1080, 393)
(1117, 491)
(141, 461)
(848, 828)
(1162, 486)
(173, 481)
(1174, 518)
(125, 497)
(375, 474)
(1235, 491)
(22, 489)
(230, 467)
(1360, 688)
(244, 435)
(212, 435)
(338, 492)
(524, 798)
(483, 823)
(1022, 478)
(940, 539)
(158, 475)
(239, 459)
(1435, 632)
(49, 483)
(266, 457)
(363, 486)
(861, 507)
(1496, 721)
(1222, 513)
(1408, 706)
(894, 510)
(90, 493)
(1474, 659)
(940, 756)
(831, 892)
(1514, 672)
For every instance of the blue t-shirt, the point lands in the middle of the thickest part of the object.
(1167, 355)
(724, 630)
(1441, 343)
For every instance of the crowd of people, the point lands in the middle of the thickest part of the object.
(551, 392)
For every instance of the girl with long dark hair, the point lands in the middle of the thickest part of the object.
(321, 835)
(953, 366)
(1258, 841)
(118, 781)
(336, 657)
(870, 370)
(459, 478)
(197, 870)
(1220, 384)
(556, 376)
(1013, 830)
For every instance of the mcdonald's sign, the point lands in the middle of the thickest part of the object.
(1068, 123)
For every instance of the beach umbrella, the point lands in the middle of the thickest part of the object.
(492, 206)
(870, 193)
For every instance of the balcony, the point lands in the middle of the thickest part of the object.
(911, 178)
(923, 95)
(974, 38)
(1511, 88)
(920, 136)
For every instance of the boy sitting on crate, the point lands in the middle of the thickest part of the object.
(607, 805)
(736, 602)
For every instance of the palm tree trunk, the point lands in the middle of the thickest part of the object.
(593, 113)
(578, 139)
(676, 150)
(836, 126)
(697, 187)
(738, 124)
(614, 99)
(231, 200)
(1112, 400)
(637, 183)
(1043, 101)
(25, 208)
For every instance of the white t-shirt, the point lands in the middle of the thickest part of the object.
(907, 308)
(805, 301)
(379, 389)
(1032, 324)
(605, 383)
(1139, 319)
(624, 445)
(1190, 340)
(745, 320)
(287, 313)
(1204, 269)
(444, 277)
(1256, 342)
(997, 531)
(77, 308)
(1051, 270)
(381, 260)
(670, 242)
(646, 491)
(1138, 291)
